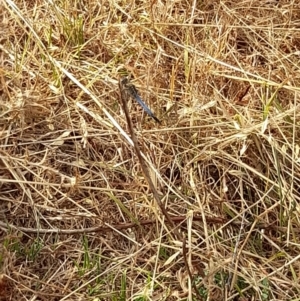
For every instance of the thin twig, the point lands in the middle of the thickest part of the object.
(124, 99)
(178, 219)
(184, 254)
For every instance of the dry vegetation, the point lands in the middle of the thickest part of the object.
(80, 219)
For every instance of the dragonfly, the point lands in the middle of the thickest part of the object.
(133, 93)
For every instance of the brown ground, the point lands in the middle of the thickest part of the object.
(207, 208)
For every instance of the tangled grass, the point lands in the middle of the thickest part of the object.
(205, 205)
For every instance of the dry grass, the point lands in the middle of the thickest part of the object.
(78, 219)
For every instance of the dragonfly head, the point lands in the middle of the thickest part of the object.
(124, 81)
